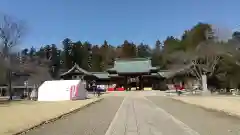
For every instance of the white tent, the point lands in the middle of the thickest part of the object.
(60, 90)
(103, 87)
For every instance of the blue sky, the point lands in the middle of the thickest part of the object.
(50, 21)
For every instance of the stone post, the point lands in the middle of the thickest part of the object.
(205, 90)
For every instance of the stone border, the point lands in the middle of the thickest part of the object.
(24, 131)
(210, 109)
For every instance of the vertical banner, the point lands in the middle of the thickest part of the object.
(73, 92)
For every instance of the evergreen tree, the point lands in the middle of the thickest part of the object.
(55, 61)
(157, 54)
(143, 51)
(67, 43)
(128, 50)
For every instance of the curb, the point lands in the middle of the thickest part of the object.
(210, 109)
(22, 132)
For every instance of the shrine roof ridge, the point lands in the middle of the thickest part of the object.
(133, 59)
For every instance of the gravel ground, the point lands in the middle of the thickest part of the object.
(93, 120)
(203, 121)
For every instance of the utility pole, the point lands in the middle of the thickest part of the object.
(9, 76)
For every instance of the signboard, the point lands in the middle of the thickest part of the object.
(133, 79)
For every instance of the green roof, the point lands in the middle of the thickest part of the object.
(113, 75)
(155, 74)
(166, 74)
(101, 75)
(134, 65)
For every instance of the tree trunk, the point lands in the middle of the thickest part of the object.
(10, 84)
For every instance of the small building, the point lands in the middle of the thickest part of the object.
(75, 73)
(181, 74)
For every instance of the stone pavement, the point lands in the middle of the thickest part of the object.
(139, 116)
(204, 121)
(142, 113)
(92, 120)
(136, 93)
(22, 115)
(227, 104)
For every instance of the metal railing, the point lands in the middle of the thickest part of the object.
(16, 90)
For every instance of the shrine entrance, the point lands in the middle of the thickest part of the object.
(134, 82)
(134, 73)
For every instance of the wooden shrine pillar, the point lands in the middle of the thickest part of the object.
(126, 83)
(140, 83)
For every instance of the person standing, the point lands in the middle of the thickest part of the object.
(94, 86)
(177, 87)
(33, 95)
(99, 91)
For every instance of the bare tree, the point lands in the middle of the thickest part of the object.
(206, 56)
(11, 32)
(209, 54)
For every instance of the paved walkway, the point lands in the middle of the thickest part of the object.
(205, 122)
(92, 120)
(139, 116)
(142, 113)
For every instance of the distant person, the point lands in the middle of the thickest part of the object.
(99, 91)
(94, 87)
(33, 95)
(4, 93)
(176, 87)
(179, 89)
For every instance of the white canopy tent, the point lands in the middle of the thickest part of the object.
(60, 90)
